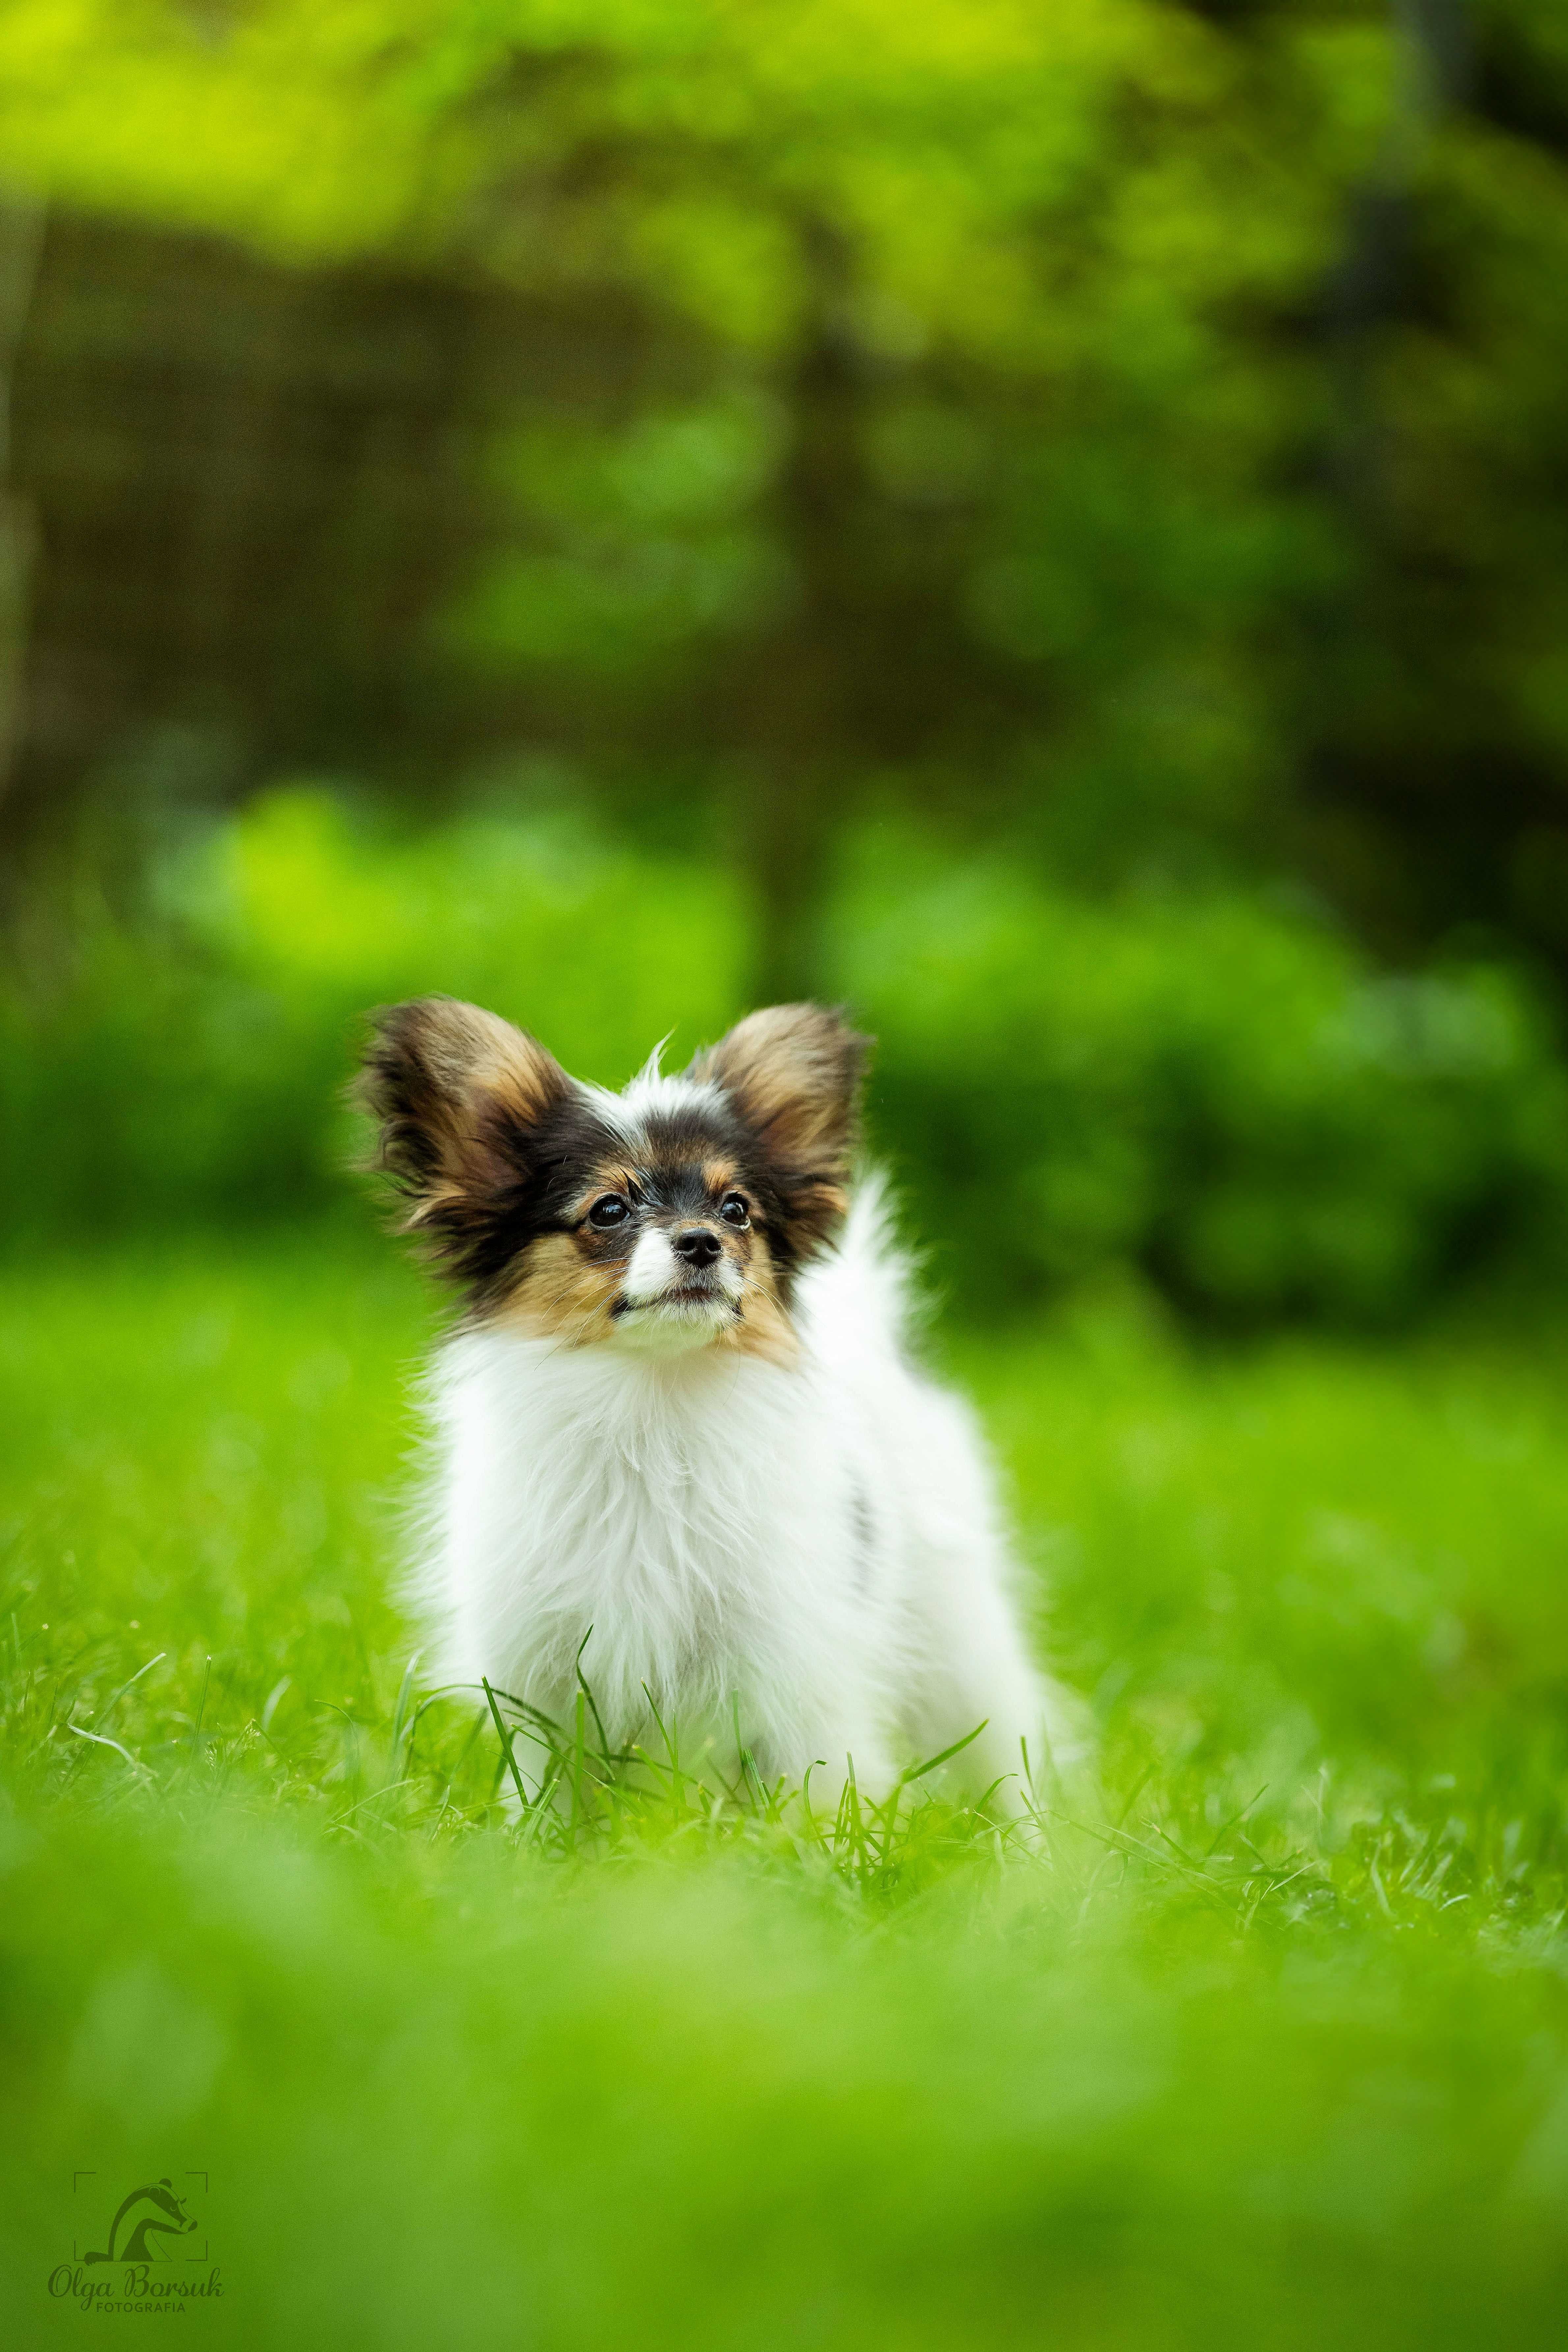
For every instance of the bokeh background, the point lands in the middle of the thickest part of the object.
(1045, 522)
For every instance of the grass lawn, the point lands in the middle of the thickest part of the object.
(1272, 2050)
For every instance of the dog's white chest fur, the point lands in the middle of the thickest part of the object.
(809, 1555)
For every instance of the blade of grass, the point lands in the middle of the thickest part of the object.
(99, 1740)
(510, 1758)
(107, 1709)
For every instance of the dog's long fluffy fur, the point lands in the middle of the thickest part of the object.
(680, 1412)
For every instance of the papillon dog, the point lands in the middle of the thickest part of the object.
(677, 1422)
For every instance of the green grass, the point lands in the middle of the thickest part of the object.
(1272, 2049)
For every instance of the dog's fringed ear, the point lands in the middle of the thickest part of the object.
(456, 1093)
(794, 1072)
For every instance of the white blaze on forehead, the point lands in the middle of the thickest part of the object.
(648, 1094)
(652, 1269)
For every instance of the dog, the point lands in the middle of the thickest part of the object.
(676, 1421)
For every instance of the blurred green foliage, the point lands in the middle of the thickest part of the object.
(1113, 448)
(197, 1069)
(1132, 426)
(1213, 1088)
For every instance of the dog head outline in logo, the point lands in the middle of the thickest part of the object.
(167, 2218)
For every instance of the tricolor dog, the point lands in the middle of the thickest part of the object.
(679, 1410)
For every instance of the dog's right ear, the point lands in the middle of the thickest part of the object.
(456, 1094)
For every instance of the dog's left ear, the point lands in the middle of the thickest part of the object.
(793, 1073)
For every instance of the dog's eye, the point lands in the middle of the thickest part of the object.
(612, 1210)
(733, 1210)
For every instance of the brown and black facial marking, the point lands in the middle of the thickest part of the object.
(558, 1290)
(791, 1076)
(482, 1132)
(568, 1285)
(567, 1282)
(763, 1327)
(500, 1157)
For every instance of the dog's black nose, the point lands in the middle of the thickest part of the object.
(697, 1245)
